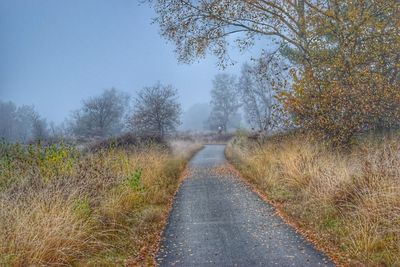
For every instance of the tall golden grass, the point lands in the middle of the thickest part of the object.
(350, 200)
(58, 207)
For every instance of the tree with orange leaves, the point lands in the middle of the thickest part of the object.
(346, 52)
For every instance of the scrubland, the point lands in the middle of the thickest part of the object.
(348, 201)
(62, 206)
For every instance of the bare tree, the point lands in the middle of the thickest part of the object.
(40, 130)
(100, 116)
(16, 123)
(156, 111)
(258, 86)
(7, 120)
(224, 103)
(24, 125)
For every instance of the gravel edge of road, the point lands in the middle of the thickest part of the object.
(185, 173)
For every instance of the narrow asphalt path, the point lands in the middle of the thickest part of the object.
(217, 220)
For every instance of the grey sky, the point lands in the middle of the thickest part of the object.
(54, 53)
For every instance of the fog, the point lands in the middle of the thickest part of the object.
(54, 54)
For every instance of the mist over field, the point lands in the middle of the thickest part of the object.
(55, 54)
(191, 133)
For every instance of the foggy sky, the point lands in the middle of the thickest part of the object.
(54, 53)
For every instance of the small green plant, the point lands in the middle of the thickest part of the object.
(7, 259)
(82, 207)
(135, 180)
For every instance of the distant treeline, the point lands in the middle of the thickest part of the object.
(154, 111)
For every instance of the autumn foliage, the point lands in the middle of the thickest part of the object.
(345, 54)
(337, 110)
(349, 82)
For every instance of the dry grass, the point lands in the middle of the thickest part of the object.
(58, 207)
(350, 201)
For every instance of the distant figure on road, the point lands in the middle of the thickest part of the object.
(219, 130)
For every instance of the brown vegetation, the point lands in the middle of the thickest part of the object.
(349, 201)
(59, 207)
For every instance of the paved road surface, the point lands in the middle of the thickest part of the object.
(217, 220)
